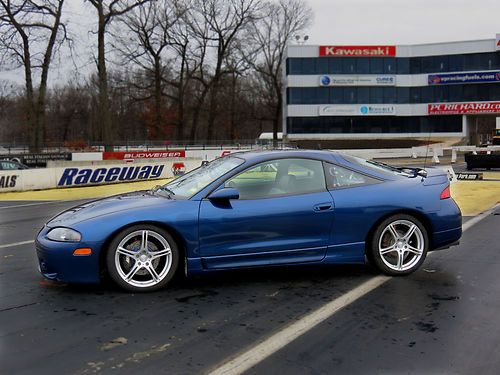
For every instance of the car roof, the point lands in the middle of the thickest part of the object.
(263, 155)
(254, 157)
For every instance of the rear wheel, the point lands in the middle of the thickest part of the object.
(142, 258)
(399, 245)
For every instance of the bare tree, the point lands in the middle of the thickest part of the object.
(153, 39)
(270, 35)
(220, 24)
(107, 10)
(30, 32)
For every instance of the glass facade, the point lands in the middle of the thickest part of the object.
(393, 65)
(420, 123)
(393, 95)
(374, 124)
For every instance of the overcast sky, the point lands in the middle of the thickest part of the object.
(403, 21)
(337, 22)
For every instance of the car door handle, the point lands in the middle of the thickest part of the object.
(323, 207)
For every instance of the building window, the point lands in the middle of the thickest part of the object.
(376, 95)
(390, 65)
(377, 65)
(350, 95)
(363, 95)
(403, 95)
(349, 65)
(309, 66)
(403, 65)
(334, 65)
(374, 124)
(390, 95)
(363, 66)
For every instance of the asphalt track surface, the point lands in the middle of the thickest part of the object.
(442, 319)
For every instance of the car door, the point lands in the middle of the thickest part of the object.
(284, 215)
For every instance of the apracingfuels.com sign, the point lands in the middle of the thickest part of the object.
(358, 51)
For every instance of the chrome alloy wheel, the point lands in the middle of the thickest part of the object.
(401, 245)
(143, 258)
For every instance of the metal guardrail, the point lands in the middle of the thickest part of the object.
(148, 146)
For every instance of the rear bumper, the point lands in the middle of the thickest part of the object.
(445, 239)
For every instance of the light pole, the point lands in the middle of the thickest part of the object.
(301, 39)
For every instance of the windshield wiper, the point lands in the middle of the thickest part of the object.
(160, 188)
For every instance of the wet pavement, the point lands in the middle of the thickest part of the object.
(442, 319)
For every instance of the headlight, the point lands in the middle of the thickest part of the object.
(64, 235)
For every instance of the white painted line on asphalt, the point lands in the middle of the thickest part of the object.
(256, 354)
(30, 204)
(479, 217)
(17, 244)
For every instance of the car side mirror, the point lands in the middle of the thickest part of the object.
(225, 194)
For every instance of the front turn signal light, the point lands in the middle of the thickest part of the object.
(83, 251)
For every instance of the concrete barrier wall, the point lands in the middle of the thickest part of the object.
(189, 154)
(75, 176)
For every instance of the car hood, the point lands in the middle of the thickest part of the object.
(117, 203)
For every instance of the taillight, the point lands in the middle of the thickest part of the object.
(445, 194)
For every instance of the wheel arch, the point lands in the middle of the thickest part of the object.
(179, 240)
(416, 214)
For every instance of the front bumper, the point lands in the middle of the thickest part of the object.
(57, 262)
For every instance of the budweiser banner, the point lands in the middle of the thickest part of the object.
(143, 155)
(463, 108)
(357, 51)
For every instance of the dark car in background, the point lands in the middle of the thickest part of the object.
(9, 165)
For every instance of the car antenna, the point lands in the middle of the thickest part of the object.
(427, 151)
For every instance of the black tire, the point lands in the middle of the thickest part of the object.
(147, 261)
(391, 252)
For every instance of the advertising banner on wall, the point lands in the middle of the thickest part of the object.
(357, 51)
(463, 108)
(459, 78)
(357, 80)
(357, 110)
(36, 160)
(35, 179)
(497, 42)
(143, 155)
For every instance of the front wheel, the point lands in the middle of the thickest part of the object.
(399, 245)
(142, 258)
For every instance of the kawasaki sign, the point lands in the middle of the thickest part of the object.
(357, 51)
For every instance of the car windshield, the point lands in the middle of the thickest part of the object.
(194, 181)
(376, 166)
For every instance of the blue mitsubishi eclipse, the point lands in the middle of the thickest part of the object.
(256, 209)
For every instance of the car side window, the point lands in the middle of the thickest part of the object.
(339, 177)
(279, 178)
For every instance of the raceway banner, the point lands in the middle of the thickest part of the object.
(459, 78)
(143, 155)
(47, 178)
(463, 108)
(357, 51)
(86, 176)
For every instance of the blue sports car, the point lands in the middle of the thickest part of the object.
(256, 209)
